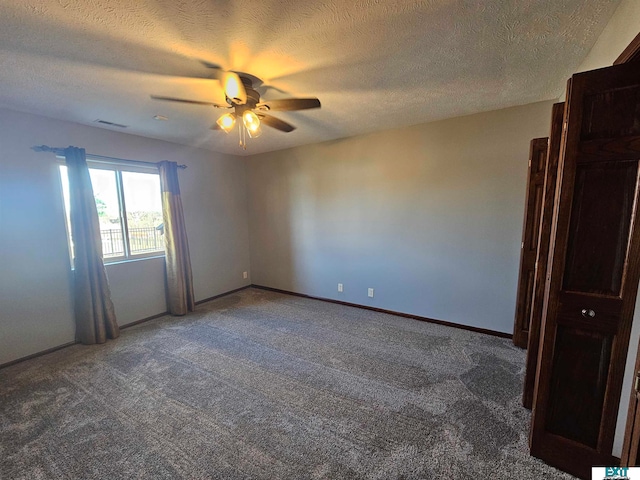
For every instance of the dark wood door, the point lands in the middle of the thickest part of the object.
(529, 246)
(542, 255)
(591, 291)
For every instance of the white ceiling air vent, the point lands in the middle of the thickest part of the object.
(110, 124)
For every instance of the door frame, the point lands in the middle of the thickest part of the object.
(631, 53)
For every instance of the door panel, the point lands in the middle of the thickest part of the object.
(530, 235)
(611, 113)
(575, 407)
(551, 175)
(599, 229)
(594, 271)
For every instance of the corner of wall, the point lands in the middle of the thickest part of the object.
(621, 29)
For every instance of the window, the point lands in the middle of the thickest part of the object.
(129, 205)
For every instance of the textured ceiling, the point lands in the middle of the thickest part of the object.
(373, 64)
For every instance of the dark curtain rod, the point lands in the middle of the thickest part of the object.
(60, 152)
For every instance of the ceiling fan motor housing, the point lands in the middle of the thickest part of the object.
(253, 98)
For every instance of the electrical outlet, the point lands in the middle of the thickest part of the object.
(245, 275)
(340, 287)
(370, 292)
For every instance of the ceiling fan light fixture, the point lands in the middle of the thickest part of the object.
(233, 88)
(256, 132)
(226, 122)
(251, 121)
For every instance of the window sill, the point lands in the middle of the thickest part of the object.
(130, 260)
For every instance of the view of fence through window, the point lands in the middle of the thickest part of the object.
(143, 240)
(138, 194)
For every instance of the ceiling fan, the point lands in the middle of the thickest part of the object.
(243, 98)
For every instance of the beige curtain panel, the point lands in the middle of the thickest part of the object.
(180, 299)
(95, 315)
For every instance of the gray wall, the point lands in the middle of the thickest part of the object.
(430, 216)
(35, 297)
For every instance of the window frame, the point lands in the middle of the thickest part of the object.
(118, 168)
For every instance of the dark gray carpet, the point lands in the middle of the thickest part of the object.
(262, 385)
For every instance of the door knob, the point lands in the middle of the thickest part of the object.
(588, 313)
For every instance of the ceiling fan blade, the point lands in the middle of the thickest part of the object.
(215, 126)
(212, 65)
(276, 123)
(291, 104)
(193, 102)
